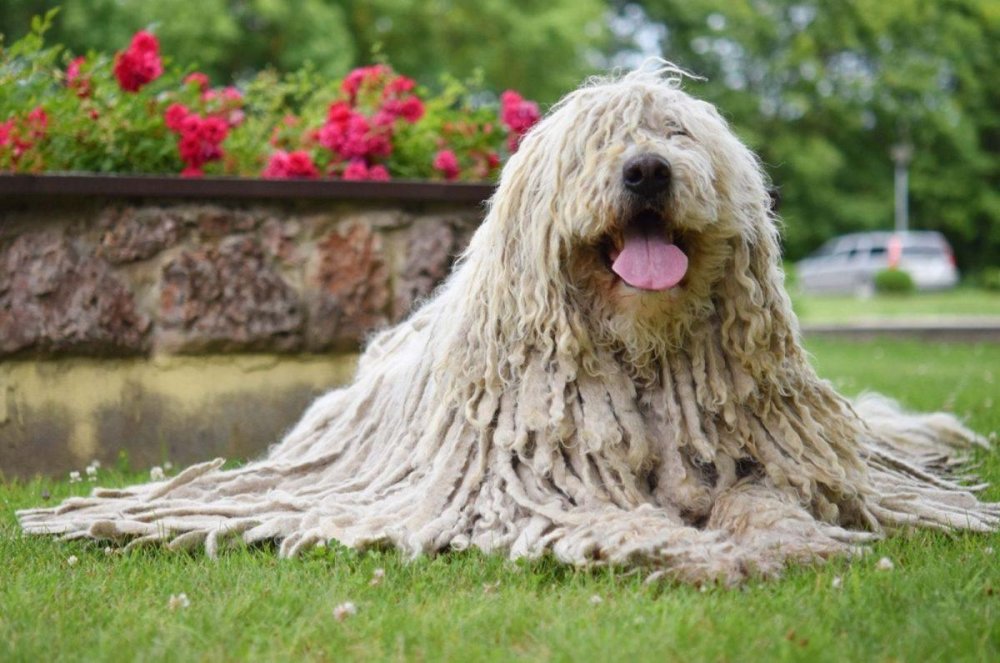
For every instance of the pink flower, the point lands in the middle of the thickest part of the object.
(73, 69)
(300, 164)
(193, 150)
(339, 112)
(384, 118)
(510, 98)
(518, 115)
(139, 64)
(286, 165)
(213, 130)
(235, 118)
(484, 163)
(378, 173)
(226, 103)
(38, 122)
(398, 101)
(361, 77)
(175, 116)
(410, 109)
(144, 42)
(399, 86)
(355, 138)
(197, 79)
(232, 94)
(6, 132)
(75, 79)
(379, 143)
(351, 136)
(13, 139)
(228, 96)
(331, 135)
(192, 171)
(200, 137)
(191, 123)
(446, 162)
(356, 170)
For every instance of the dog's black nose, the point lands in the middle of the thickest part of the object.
(647, 175)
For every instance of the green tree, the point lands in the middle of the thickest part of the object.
(538, 48)
(225, 38)
(541, 49)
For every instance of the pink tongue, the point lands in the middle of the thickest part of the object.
(649, 262)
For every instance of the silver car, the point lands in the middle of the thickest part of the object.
(849, 263)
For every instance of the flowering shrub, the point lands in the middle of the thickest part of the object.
(18, 137)
(133, 113)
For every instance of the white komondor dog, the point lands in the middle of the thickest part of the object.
(612, 374)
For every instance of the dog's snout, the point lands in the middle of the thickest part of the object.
(647, 175)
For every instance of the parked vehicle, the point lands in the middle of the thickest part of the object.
(849, 263)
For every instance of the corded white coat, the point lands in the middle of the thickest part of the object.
(536, 404)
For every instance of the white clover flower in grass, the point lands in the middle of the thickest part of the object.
(344, 610)
(156, 473)
(837, 582)
(72, 560)
(74, 477)
(377, 576)
(596, 600)
(167, 465)
(178, 601)
(96, 464)
(91, 473)
(884, 564)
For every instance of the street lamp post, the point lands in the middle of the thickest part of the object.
(902, 154)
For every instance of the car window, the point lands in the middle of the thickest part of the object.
(923, 251)
(845, 245)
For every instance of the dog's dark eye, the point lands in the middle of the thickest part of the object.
(673, 132)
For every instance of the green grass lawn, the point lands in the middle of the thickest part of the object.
(941, 602)
(961, 302)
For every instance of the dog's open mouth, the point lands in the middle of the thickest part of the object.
(646, 254)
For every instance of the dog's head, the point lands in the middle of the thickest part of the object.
(634, 209)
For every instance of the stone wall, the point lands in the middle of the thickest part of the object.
(101, 300)
(118, 279)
